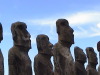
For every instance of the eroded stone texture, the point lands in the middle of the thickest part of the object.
(42, 62)
(63, 60)
(99, 70)
(80, 59)
(18, 59)
(1, 55)
(1, 64)
(98, 48)
(92, 61)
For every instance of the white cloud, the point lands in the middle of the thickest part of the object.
(78, 20)
(84, 17)
(98, 25)
(90, 32)
(42, 22)
(81, 33)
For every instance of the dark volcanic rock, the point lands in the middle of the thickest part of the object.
(63, 60)
(92, 61)
(80, 59)
(18, 59)
(42, 62)
(1, 55)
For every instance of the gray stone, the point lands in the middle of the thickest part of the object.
(63, 60)
(1, 55)
(98, 48)
(42, 62)
(80, 59)
(1, 64)
(18, 59)
(92, 61)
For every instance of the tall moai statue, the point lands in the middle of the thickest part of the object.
(1, 33)
(63, 60)
(18, 59)
(80, 59)
(92, 61)
(98, 48)
(42, 62)
(1, 55)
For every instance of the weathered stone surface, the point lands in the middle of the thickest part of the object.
(18, 59)
(1, 55)
(63, 60)
(99, 70)
(1, 64)
(80, 59)
(92, 61)
(42, 62)
(98, 48)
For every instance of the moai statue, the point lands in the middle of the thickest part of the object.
(1, 55)
(1, 33)
(42, 62)
(63, 60)
(98, 48)
(92, 61)
(18, 59)
(80, 59)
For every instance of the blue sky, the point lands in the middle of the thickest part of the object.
(40, 17)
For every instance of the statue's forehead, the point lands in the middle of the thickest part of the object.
(22, 25)
(90, 51)
(18, 24)
(42, 36)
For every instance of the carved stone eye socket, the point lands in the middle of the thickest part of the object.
(63, 23)
(20, 27)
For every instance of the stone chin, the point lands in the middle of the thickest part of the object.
(67, 38)
(24, 44)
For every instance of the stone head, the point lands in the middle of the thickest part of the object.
(43, 44)
(21, 36)
(79, 55)
(65, 32)
(91, 55)
(1, 32)
(98, 46)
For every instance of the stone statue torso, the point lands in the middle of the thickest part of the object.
(19, 62)
(63, 60)
(1, 64)
(91, 71)
(80, 69)
(42, 65)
